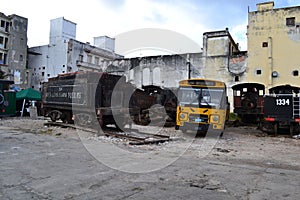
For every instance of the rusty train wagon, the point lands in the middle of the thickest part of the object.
(248, 101)
(282, 109)
(86, 97)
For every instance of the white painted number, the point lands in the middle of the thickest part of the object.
(282, 102)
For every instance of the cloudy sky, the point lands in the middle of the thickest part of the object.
(113, 17)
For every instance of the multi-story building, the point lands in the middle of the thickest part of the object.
(65, 54)
(274, 45)
(13, 48)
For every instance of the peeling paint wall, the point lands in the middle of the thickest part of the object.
(14, 48)
(220, 60)
(274, 45)
(163, 71)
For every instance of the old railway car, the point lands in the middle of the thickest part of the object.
(248, 101)
(166, 98)
(88, 97)
(281, 109)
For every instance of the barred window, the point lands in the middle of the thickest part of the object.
(290, 21)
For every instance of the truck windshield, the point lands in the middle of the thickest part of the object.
(201, 97)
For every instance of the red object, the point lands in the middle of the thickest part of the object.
(270, 119)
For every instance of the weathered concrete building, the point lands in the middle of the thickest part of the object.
(13, 48)
(274, 45)
(220, 60)
(65, 54)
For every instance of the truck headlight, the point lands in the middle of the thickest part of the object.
(182, 115)
(214, 118)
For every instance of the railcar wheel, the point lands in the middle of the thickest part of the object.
(101, 122)
(291, 129)
(83, 119)
(66, 117)
(275, 129)
(294, 128)
(53, 116)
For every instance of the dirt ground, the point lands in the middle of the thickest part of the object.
(41, 162)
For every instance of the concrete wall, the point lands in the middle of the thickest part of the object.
(61, 29)
(105, 42)
(46, 61)
(14, 48)
(273, 45)
(163, 71)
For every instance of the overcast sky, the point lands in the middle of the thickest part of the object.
(113, 17)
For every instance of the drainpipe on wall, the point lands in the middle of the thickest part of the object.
(188, 65)
(270, 62)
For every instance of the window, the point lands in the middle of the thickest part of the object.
(2, 23)
(290, 21)
(5, 43)
(258, 71)
(295, 73)
(1, 58)
(43, 73)
(236, 78)
(96, 60)
(265, 44)
(7, 26)
(5, 59)
(21, 42)
(80, 58)
(21, 58)
(1, 40)
(89, 59)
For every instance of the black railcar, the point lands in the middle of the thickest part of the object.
(248, 101)
(89, 97)
(281, 109)
(79, 96)
(165, 97)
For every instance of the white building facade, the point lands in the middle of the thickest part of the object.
(65, 54)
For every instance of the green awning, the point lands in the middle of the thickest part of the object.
(29, 94)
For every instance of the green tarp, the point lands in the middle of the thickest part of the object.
(29, 94)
